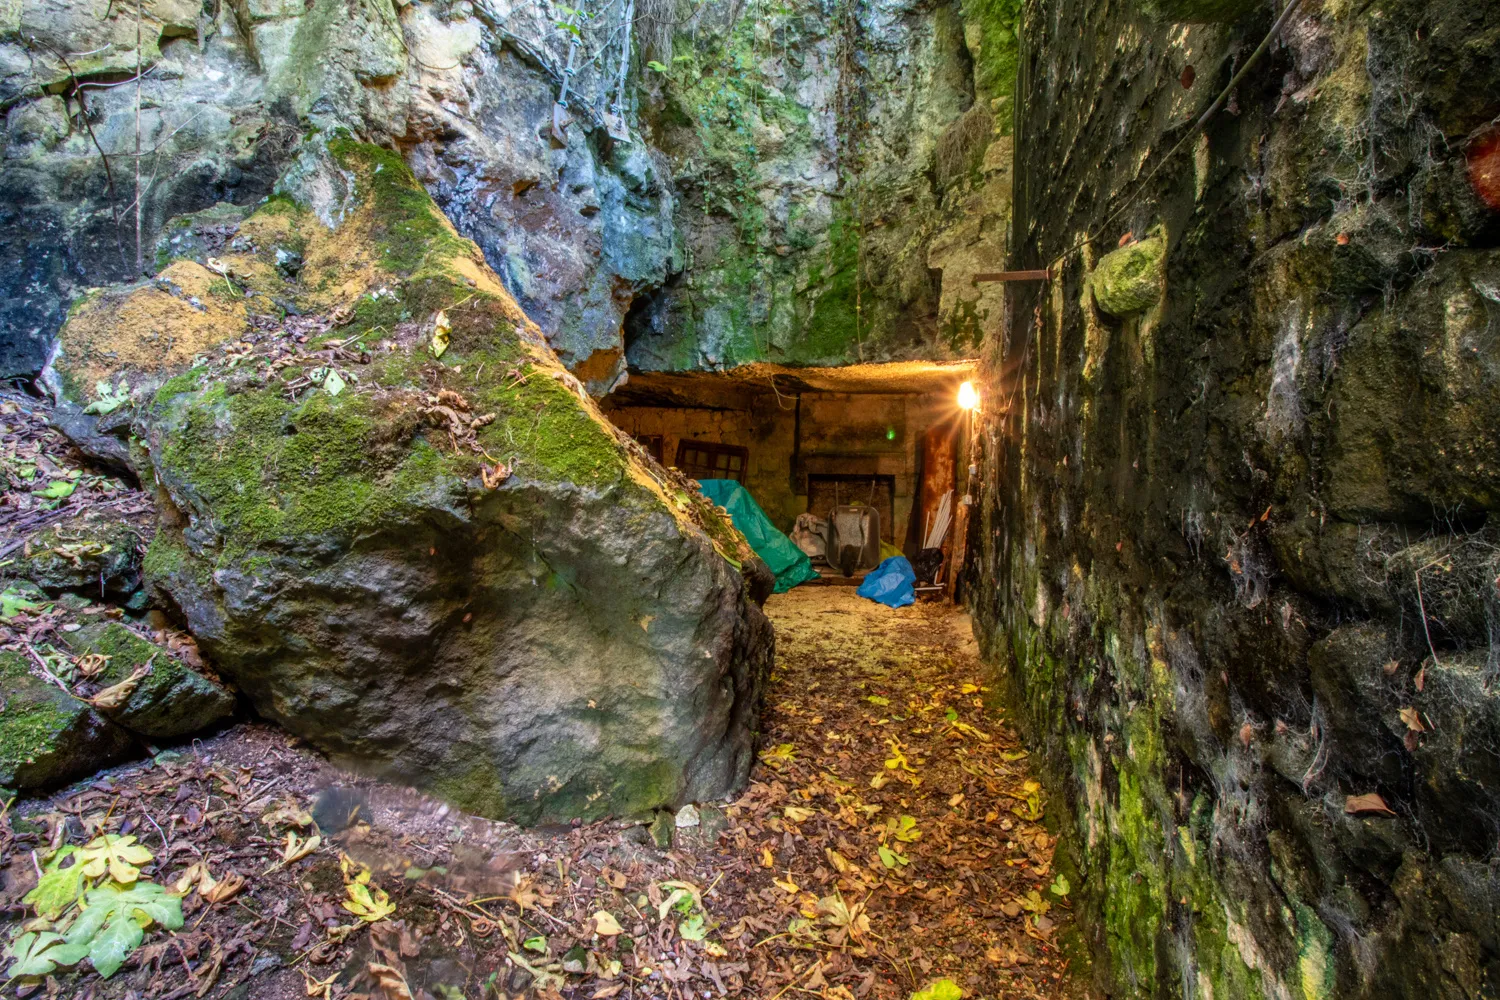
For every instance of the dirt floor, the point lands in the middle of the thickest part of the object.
(890, 838)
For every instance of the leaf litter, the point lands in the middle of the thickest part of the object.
(255, 868)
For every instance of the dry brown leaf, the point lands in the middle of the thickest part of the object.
(1369, 803)
(116, 695)
(1413, 720)
(228, 888)
(390, 981)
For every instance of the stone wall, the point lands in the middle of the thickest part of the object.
(1236, 559)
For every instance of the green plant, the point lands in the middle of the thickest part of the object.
(97, 908)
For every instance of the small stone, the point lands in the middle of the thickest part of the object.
(687, 816)
(662, 829)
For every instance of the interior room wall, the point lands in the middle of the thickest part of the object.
(849, 433)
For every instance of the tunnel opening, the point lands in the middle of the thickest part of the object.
(855, 464)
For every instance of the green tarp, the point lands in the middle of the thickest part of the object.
(789, 563)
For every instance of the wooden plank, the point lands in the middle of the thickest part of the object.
(987, 276)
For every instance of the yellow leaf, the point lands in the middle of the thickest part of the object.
(440, 333)
(368, 904)
(118, 855)
(605, 924)
(839, 862)
(767, 860)
(797, 814)
(296, 848)
(116, 695)
(788, 885)
(196, 876)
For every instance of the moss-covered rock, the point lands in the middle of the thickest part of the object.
(48, 737)
(88, 554)
(449, 570)
(1129, 279)
(170, 701)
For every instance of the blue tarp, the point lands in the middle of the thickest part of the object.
(789, 563)
(891, 583)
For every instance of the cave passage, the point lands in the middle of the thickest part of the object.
(885, 445)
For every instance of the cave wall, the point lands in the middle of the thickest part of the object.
(1235, 553)
(809, 183)
(842, 170)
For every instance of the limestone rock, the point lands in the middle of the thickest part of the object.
(172, 700)
(48, 737)
(1130, 278)
(450, 572)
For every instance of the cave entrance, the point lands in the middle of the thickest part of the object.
(879, 447)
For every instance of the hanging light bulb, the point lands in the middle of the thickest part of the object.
(968, 396)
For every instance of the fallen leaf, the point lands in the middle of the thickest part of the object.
(942, 989)
(117, 695)
(390, 981)
(441, 332)
(227, 888)
(605, 924)
(367, 904)
(296, 848)
(117, 855)
(1369, 803)
(1413, 720)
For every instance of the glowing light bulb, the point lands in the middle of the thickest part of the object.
(968, 396)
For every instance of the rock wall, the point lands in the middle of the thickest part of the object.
(843, 170)
(1237, 555)
(809, 183)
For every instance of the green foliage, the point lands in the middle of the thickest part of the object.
(14, 601)
(111, 398)
(111, 916)
(999, 24)
(943, 989)
(58, 888)
(111, 924)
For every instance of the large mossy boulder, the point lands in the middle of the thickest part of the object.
(408, 535)
(48, 737)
